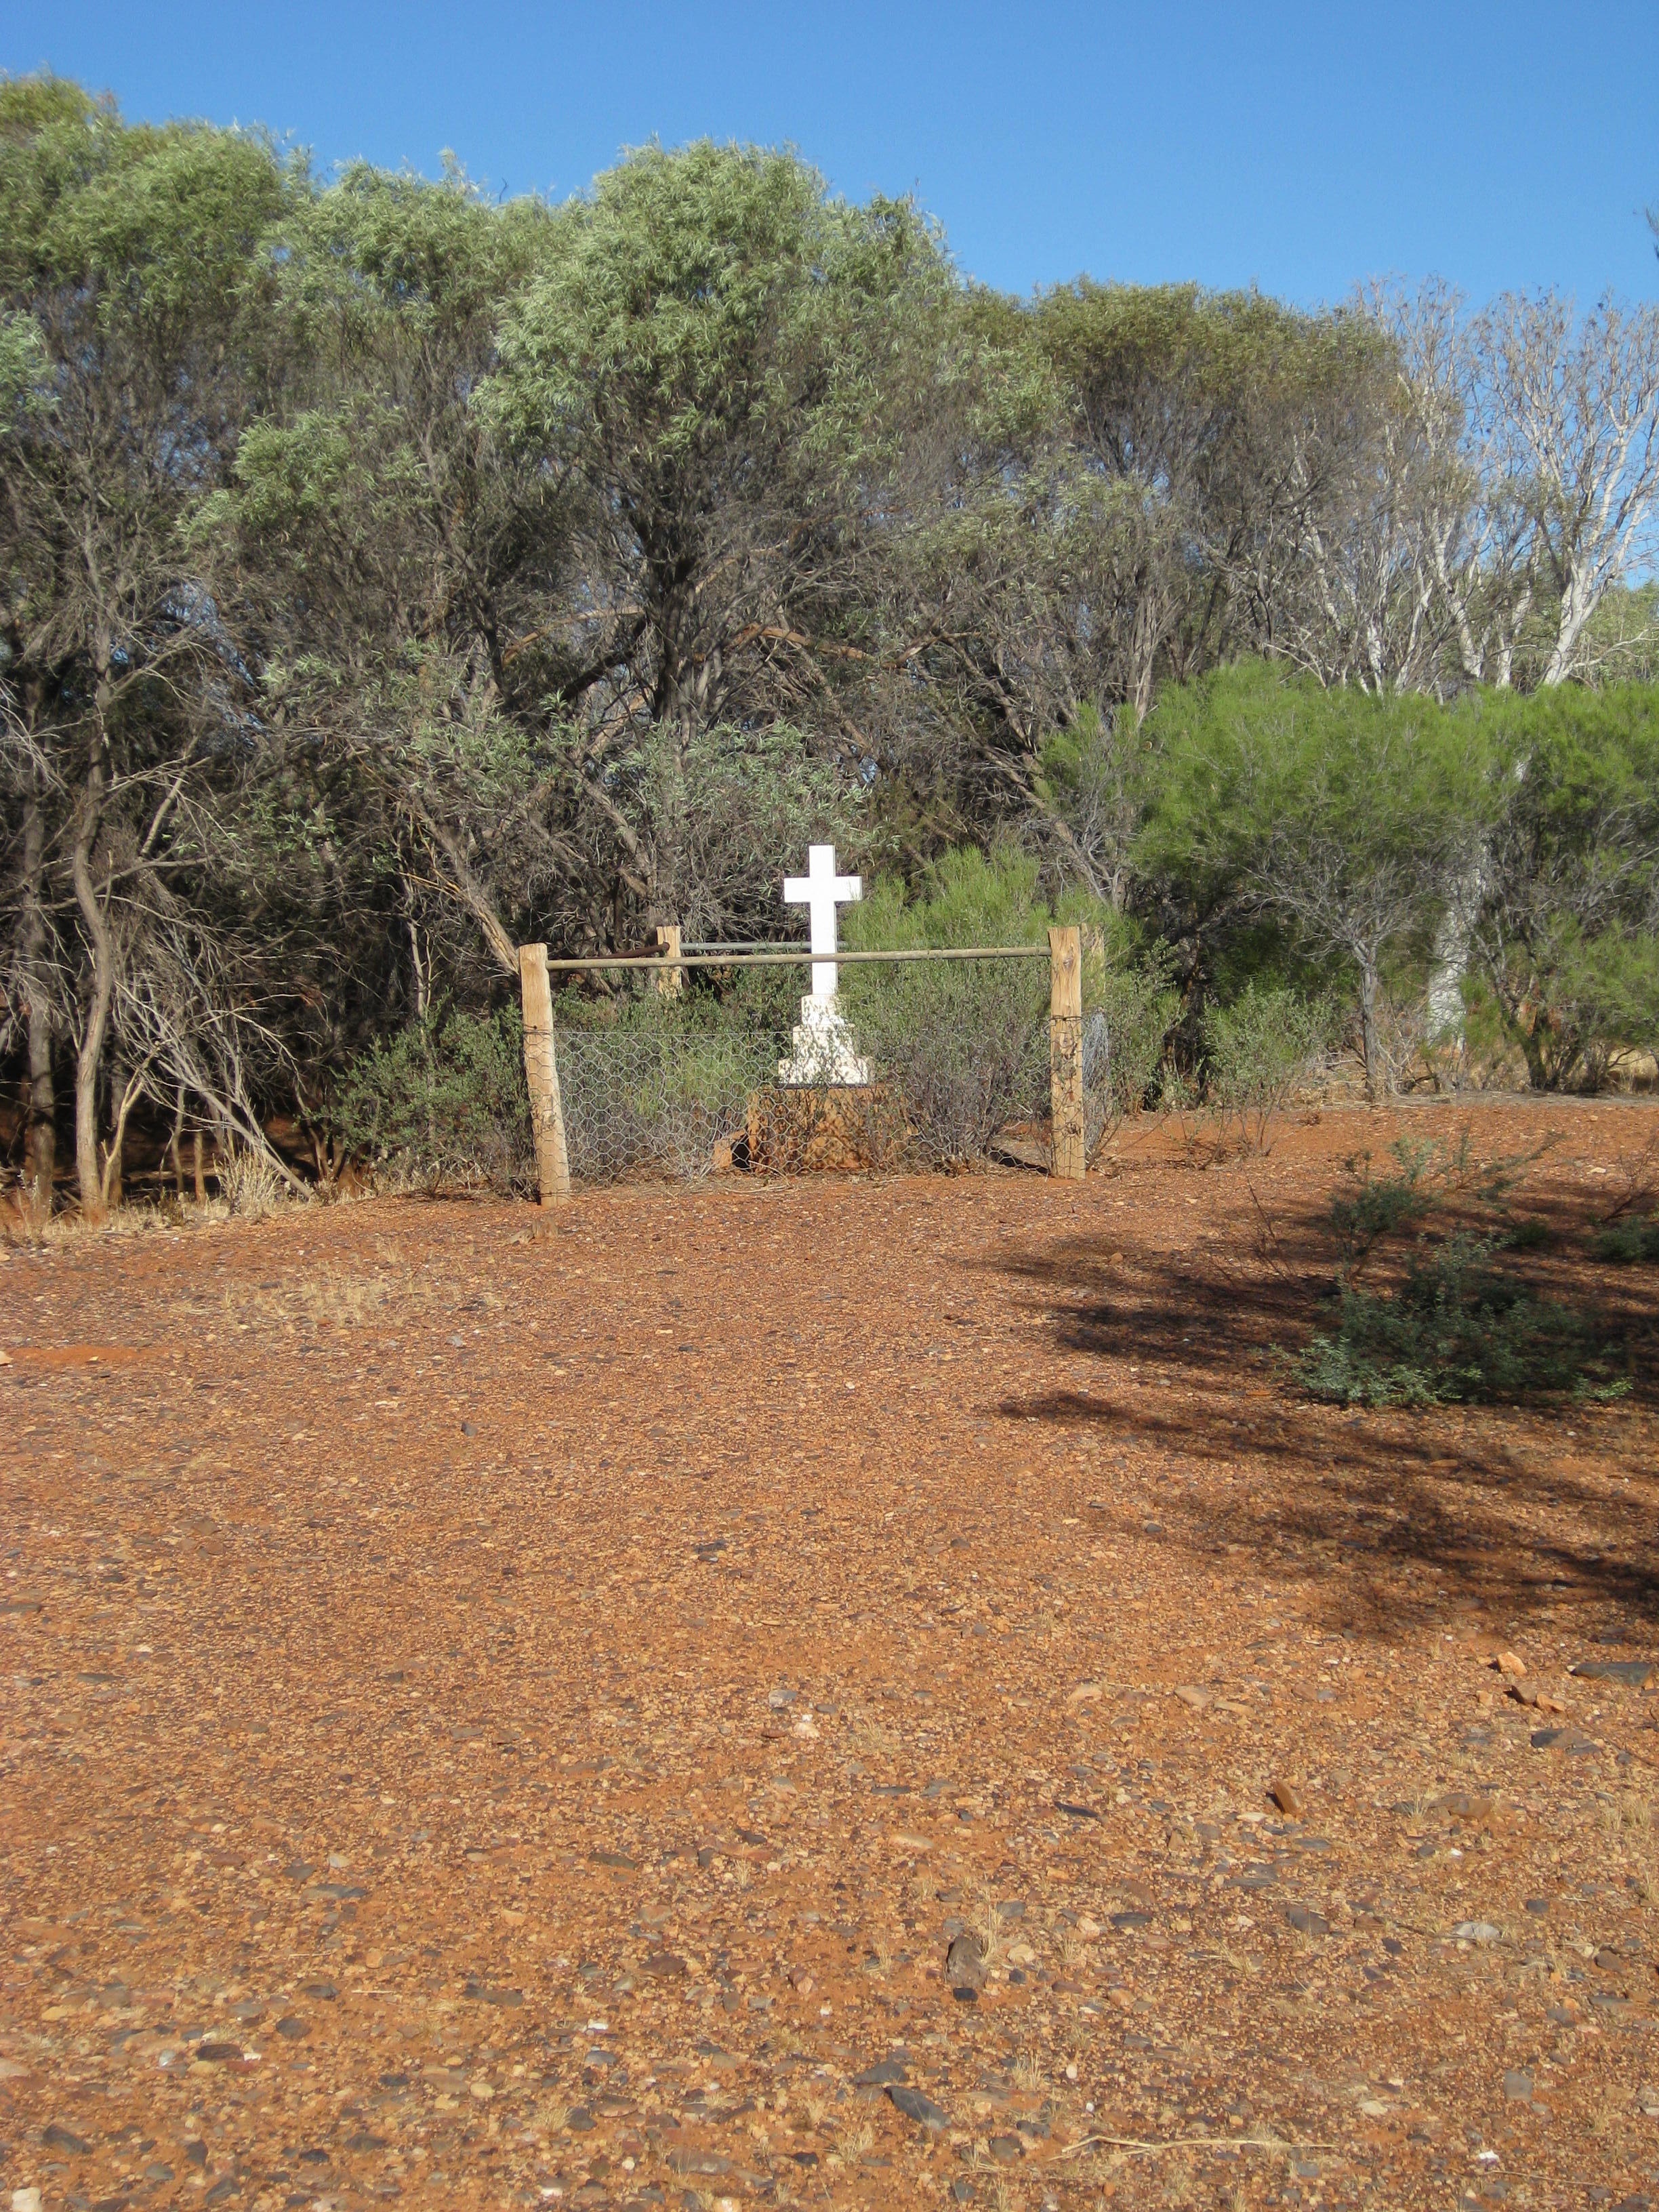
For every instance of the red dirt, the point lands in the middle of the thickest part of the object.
(510, 1709)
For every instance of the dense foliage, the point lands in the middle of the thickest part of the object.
(389, 575)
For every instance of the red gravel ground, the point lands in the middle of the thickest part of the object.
(512, 1710)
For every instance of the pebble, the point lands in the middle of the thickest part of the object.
(1561, 1739)
(884, 2073)
(1517, 2088)
(1633, 1674)
(964, 1963)
(919, 2108)
(1286, 1796)
(1308, 1922)
(1476, 1931)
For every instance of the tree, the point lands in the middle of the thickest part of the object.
(1567, 928)
(708, 365)
(1574, 421)
(130, 282)
(386, 563)
(1345, 815)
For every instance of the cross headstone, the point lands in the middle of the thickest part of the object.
(820, 890)
(823, 1050)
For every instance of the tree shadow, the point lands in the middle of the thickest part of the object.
(1393, 1516)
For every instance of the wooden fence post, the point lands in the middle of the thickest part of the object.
(1068, 1146)
(542, 1074)
(672, 981)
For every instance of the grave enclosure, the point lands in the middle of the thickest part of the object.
(821, 1108)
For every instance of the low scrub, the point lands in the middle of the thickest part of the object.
(1257, 1051)
(1629, 1240)
(1454, 1322)
(442, 1104)
(964, 1045)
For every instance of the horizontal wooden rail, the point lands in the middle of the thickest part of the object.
(805, 958)
(736, 945)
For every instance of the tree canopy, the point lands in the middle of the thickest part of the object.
(390, 574)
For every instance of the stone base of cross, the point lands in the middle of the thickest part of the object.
(822, 1043)
(823, 1051)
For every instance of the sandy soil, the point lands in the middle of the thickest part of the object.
(504, 1710)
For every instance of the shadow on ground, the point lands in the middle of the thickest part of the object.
(1394, 1515)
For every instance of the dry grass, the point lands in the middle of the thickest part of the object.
(987, 1926)
(69, 1232)
(1628, 1823)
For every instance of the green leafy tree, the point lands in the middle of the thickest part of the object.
(1566, 932)
(708, 364)
(134, 320)
(1347, 816)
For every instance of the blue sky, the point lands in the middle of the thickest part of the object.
(1299, 147)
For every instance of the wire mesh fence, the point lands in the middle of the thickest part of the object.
(958, 1069)
(660, 1098)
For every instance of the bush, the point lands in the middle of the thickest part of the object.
(658, 1089)
(1257, 1050)
(965, 1043)
(1128, 1012)
(1456, 1326)
(443, 1102)
(1456, 1330)
(1629, 1240)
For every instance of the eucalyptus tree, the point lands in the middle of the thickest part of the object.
(134, 315)
(387, 567)
(1226, 426)
(713, 365)
(1574, 416)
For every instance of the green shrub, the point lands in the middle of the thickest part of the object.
(1630, 1239)
(1128, 1012)
(657, 1091)
(1456, 1326)
(965, 1043)
(1531, 1235)
(442, 1103)
(1456, 1330)
(1257, 1050)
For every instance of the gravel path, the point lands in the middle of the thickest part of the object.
(835, 1693)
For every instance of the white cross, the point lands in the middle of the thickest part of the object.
(820, 890)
